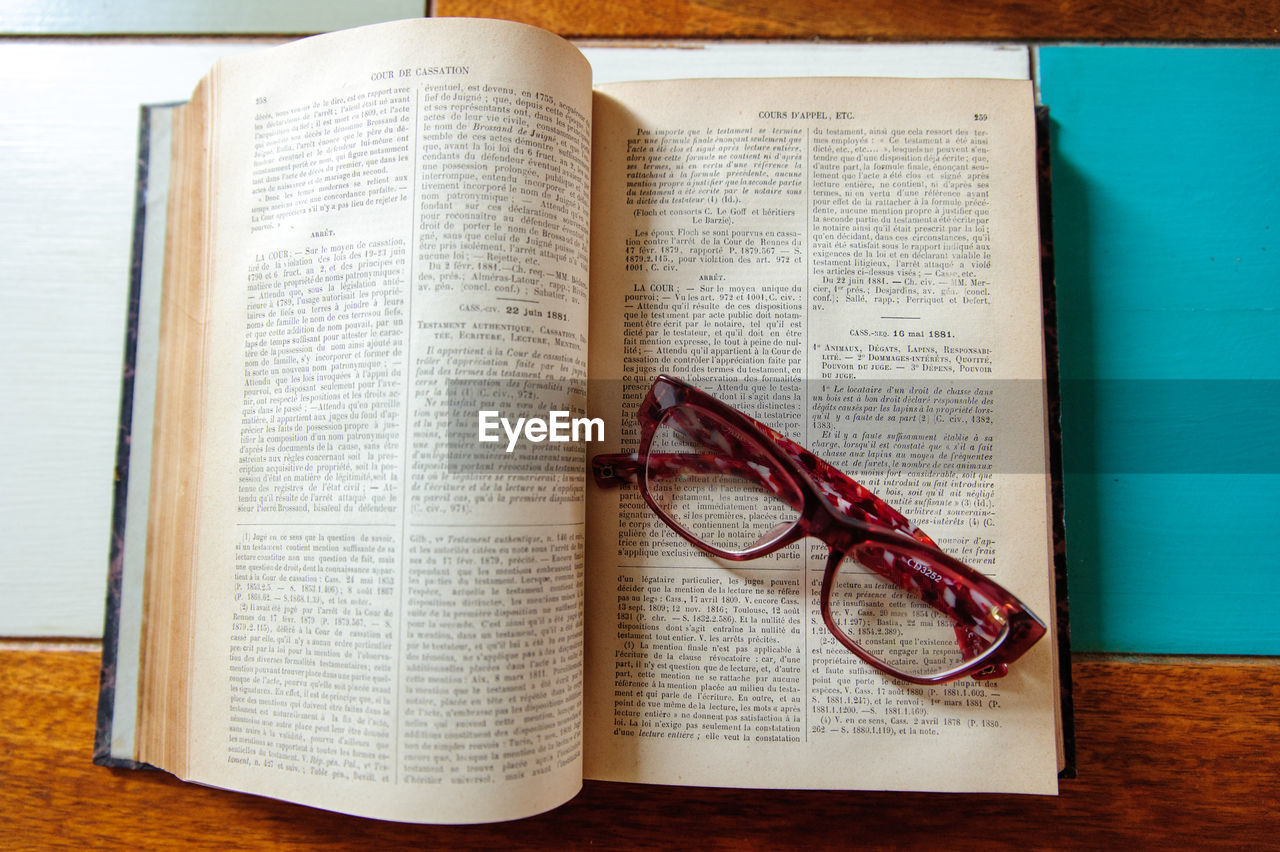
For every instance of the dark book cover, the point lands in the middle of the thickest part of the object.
(111, 647)
(1054, 399)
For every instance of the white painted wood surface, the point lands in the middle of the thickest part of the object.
(137, 17)
(68, 141)
(67, 150)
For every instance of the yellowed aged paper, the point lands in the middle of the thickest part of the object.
(839, 246)
(179, 396)
(395, 209)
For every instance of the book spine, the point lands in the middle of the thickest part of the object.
(102, 753)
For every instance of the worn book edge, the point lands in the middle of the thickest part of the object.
(114, 743)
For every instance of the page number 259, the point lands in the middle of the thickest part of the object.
(979, 116)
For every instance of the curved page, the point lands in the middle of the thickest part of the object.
(376, 629)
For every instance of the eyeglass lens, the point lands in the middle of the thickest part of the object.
(717, 483)
(891, 619)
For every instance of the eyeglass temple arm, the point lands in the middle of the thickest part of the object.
(855, 501)
(846, 495)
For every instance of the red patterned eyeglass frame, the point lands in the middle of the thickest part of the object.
(993, 628)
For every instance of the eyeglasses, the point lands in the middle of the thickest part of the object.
(738, 490)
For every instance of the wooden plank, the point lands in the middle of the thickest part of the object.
(1172, 752)
(889, 20)
(67, 217)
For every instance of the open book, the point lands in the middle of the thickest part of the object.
(317, 597)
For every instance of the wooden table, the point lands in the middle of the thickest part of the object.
(1172, 752)
(892, 20)
(1179, 752)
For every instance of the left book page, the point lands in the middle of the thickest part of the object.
(334, 615)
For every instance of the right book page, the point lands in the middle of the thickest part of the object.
(855, 263)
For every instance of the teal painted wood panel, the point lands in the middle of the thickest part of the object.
(1166, 204)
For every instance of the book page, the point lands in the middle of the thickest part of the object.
(376, 630)
(853, 262)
